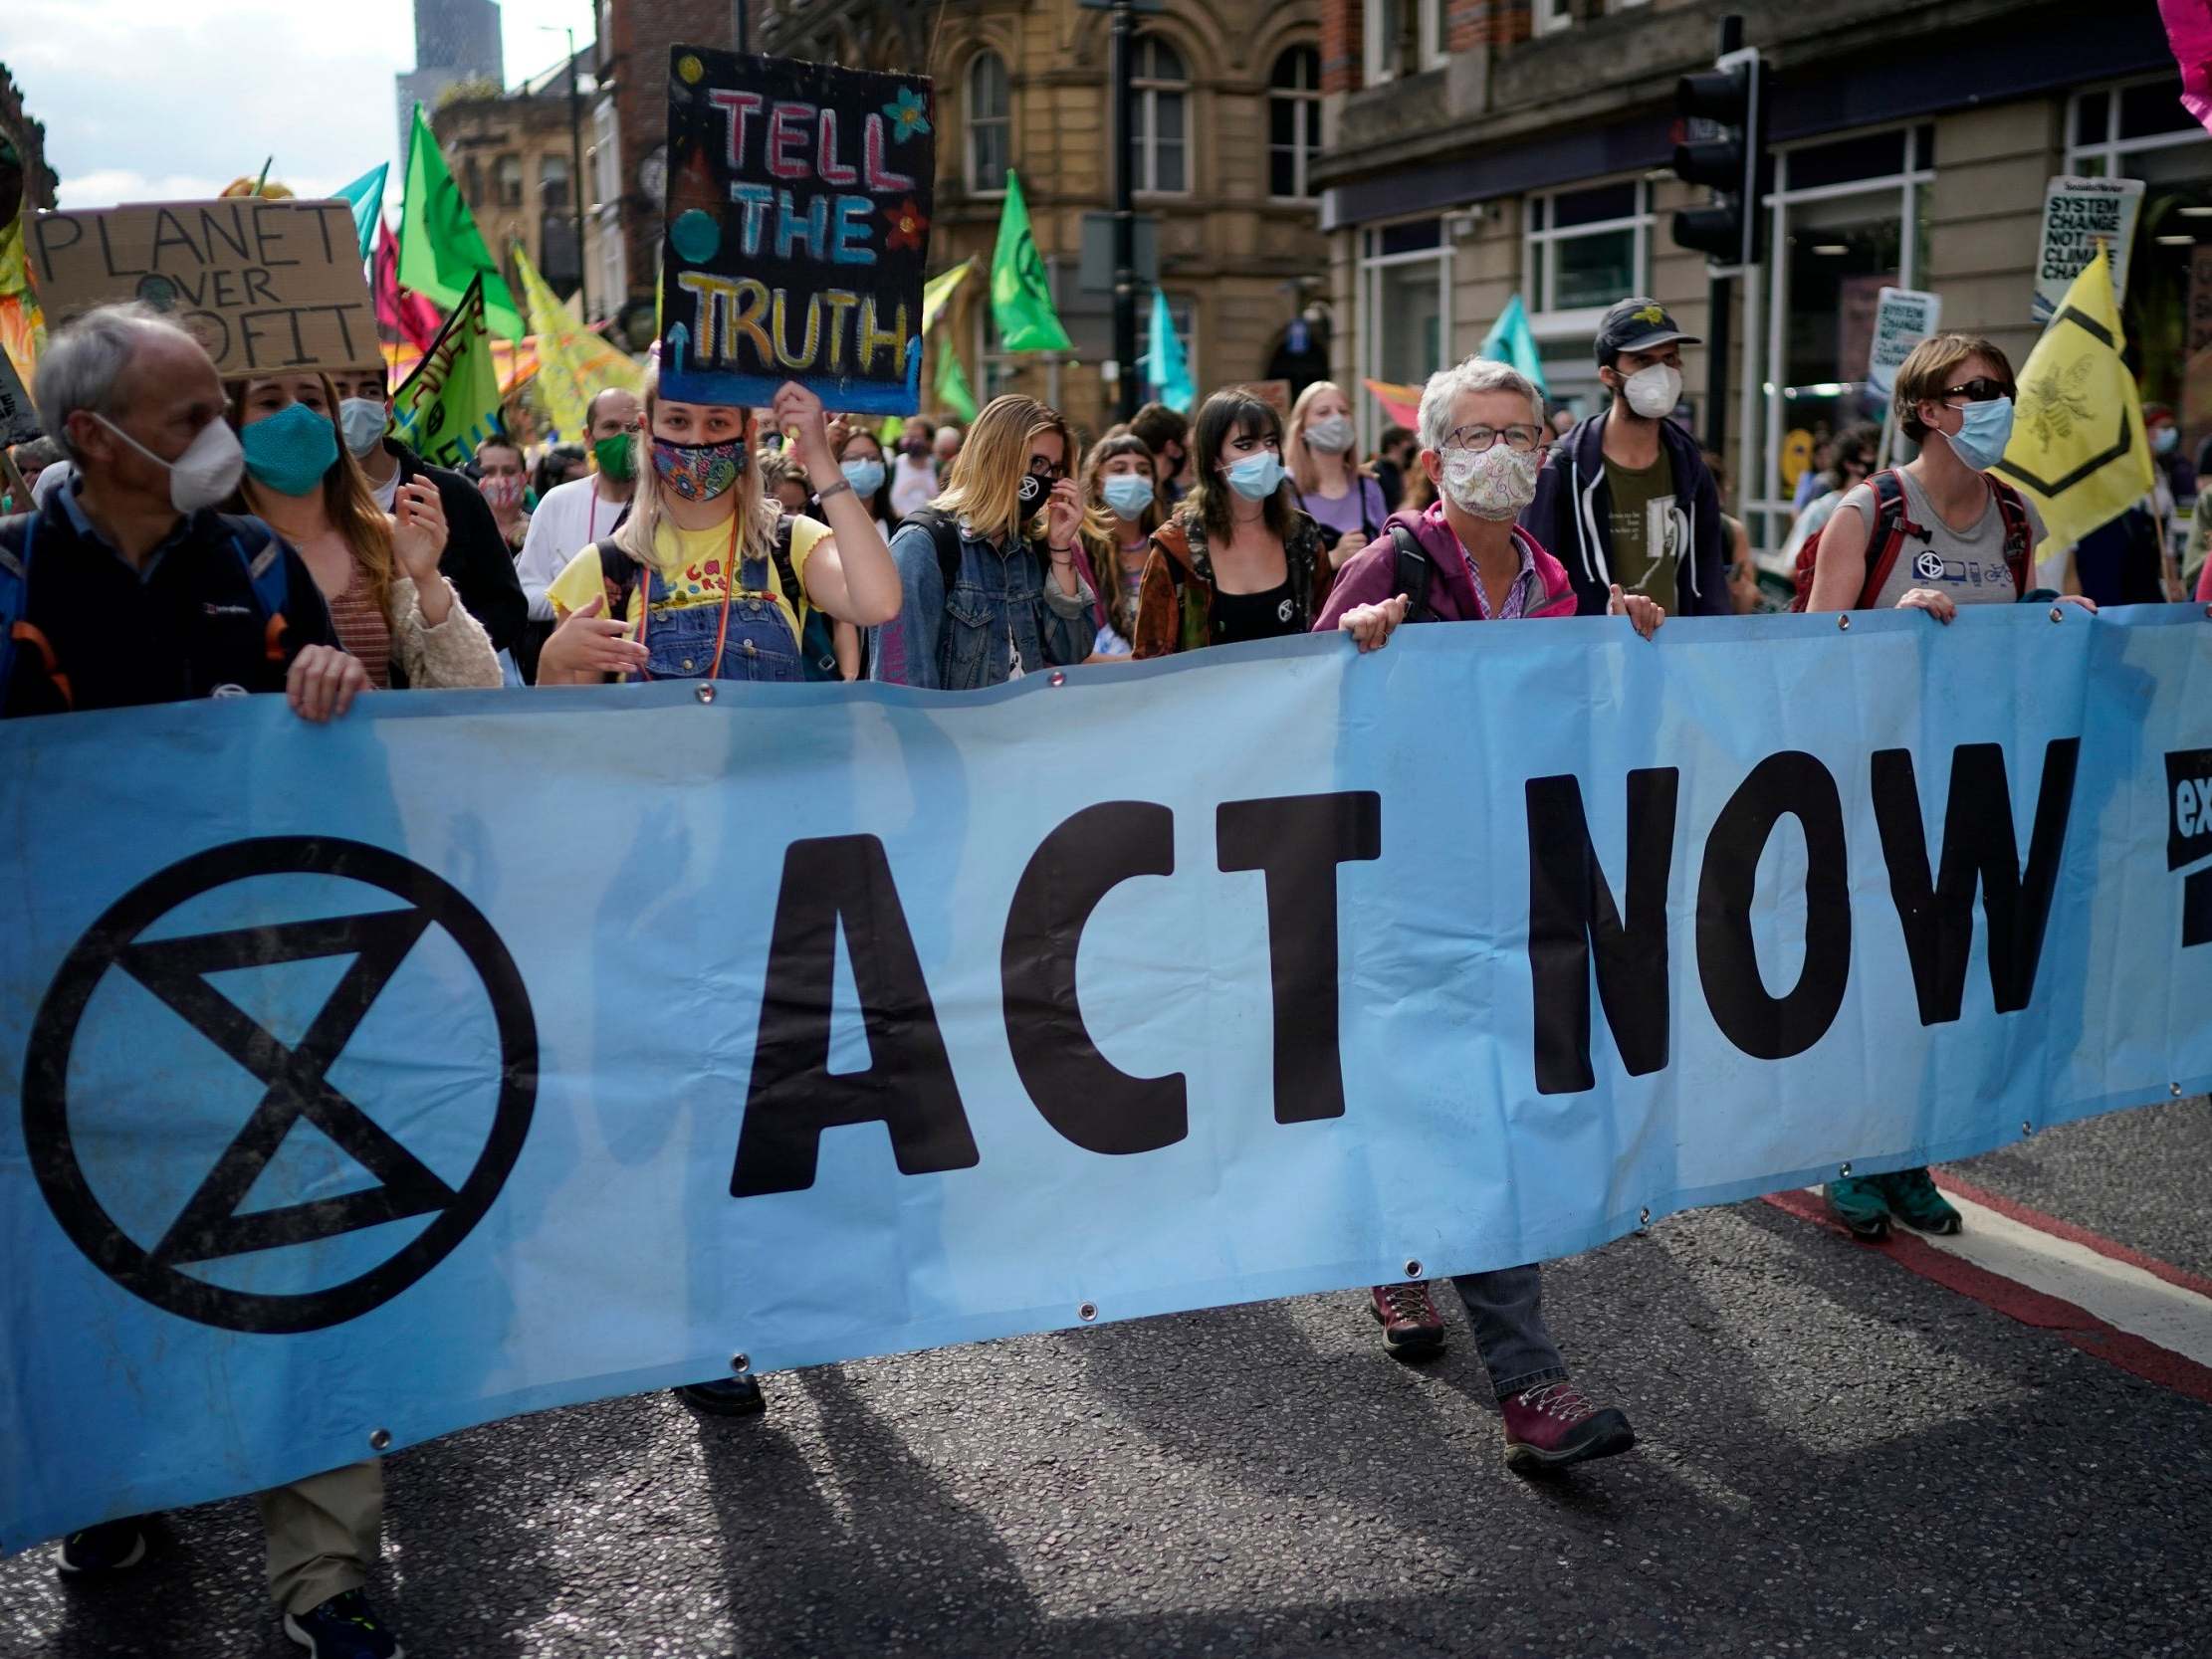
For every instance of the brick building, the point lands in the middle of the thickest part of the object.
(512, 152)
(1479, 149)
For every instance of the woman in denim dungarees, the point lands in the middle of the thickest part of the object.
(696, 519)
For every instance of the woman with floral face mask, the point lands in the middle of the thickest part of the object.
(502, 481)
(1238, 562)
(708, 577)
(380, 575)
(1464, 560)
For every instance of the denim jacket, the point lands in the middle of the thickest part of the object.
(1000, 602)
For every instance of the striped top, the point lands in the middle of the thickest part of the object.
(363, 630)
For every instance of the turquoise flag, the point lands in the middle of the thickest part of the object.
(1509, 341)
(1167, 370)
(366, 194)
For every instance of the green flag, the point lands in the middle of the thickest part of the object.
(451, 403)
(440, 249)
(892, 431)
(1021, 298)
(952, 380)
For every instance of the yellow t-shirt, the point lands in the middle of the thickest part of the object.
(694, 567)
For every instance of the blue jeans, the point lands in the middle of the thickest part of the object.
(1506, 1306)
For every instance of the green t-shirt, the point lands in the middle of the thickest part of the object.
(1650, 531)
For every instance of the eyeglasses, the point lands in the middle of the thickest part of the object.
(1041, 468)
(1519, 439)
(1980, 389)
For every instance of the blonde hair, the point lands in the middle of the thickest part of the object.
(1297, 460)
(984, 487)
(757, 512)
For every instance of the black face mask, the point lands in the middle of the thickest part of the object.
(1034, 488)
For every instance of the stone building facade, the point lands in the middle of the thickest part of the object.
(1479, 149)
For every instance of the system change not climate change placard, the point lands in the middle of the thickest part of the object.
(798, 216)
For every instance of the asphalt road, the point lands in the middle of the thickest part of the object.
(1838, 1457)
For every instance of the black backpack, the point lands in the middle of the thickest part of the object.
(1414, 573)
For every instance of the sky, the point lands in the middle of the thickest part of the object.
(171, 99)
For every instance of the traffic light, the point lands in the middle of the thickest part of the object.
(1730, 100)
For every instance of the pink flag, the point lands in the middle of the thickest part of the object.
(2189, 29)
(405, 313)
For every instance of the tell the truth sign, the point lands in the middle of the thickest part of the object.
(799, 212)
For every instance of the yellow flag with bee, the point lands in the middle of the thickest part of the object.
(2078, 447)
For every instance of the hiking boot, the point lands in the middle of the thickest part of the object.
(1914, 1200)
(729, 1396)
(1412, 1327)
(1552, 1426)
(96, 1551)
(344, 1627)
(1859, 1203)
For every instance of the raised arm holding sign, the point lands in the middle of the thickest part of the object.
(799, 213)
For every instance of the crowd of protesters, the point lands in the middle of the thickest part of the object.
(190, 538)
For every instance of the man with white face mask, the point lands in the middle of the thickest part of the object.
(476, 561)
(124, 586)
(1625, 496)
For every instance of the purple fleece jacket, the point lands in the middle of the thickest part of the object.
(1372, 574)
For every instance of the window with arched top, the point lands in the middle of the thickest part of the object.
(1293, 122)
(989, 122)
(1160, 131)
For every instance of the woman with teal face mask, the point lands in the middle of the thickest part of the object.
(1238, 562)
(379, 572)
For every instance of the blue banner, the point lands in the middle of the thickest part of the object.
(483, 1052)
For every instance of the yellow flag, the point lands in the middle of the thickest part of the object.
(573, 363)
(2078, 449)
(938, 292)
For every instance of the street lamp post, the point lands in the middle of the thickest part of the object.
(1125, 213)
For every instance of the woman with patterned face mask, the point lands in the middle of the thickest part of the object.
(393, 609)
(1464, 560)
(503, 482)
(710, 577)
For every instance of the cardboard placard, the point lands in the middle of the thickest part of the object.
(19, 419)
(2077, 214)
(267, 287)
(798, 231)
(1904, 317)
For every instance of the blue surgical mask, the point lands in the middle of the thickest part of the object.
(1257, 476)
(290, 451)
(1983, 433)
(865, 477)
(1128, 495)
(364, 420)
(2166, 440)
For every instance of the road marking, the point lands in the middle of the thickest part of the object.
(2144, 1316)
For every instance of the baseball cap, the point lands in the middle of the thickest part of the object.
(1638, 324)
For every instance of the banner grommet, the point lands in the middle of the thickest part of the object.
(1843, 624)
(380, 1439)
(1087, 1311)
(1413, 1268)
(705, 691)
(2058, 613)
(740, 1364)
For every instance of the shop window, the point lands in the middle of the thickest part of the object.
(2139, 129)
(1583, 249)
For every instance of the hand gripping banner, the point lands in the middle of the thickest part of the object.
(483, 1052)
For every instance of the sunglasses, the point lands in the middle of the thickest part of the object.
(1980, 389)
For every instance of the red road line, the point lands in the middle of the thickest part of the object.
(2076, 1325)
(2179, 1276)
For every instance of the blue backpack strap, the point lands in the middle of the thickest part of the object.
(262, 554)
(15, 591)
